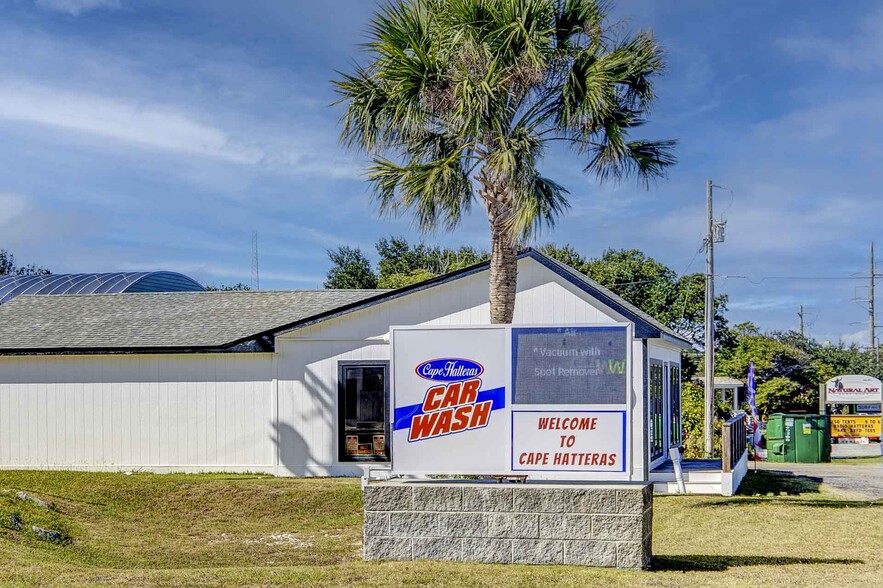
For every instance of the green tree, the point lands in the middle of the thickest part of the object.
(832, 360)
(566, 255)
(8, 267)
(779, 394)
(462, 97)
(402, 264)
(786, 375)
(693, 420)
(395, 281)
(221, 287)
(350, 270)
(677, 302)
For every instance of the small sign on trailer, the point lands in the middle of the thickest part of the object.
(855, 426)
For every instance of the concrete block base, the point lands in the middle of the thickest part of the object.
(606, 525)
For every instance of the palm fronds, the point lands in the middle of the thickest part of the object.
(458, 91)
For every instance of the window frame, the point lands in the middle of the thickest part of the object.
(675, 388)
(342, 366)
(656, 420)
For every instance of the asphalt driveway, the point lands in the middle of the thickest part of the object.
(859, 482)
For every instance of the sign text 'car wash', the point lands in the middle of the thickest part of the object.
(510, 400)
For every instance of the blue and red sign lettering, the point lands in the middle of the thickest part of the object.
(453, 405)
(449, 369)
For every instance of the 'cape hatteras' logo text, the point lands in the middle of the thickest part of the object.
(449, 369)
(450, 408)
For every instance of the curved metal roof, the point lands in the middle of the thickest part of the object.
(111, 283)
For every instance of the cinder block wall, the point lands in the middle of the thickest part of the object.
(580, 524)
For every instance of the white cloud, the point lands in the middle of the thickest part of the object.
(859, 338)
(155, 126)
(835, 124)
(766, 303)
(11, 206)
(862, 50)
(28, 228)
(78, 7)
(149, 126)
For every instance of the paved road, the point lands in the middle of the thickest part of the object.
(860, 482)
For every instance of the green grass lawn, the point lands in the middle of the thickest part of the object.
(231, 530)
(866, 460)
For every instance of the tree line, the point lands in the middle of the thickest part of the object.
(789, 367)
(676, 301)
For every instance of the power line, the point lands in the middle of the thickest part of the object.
(695, 255)
(757, 282)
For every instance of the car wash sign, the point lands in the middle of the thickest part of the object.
(547, 401)
(451, 403)
(852, 390)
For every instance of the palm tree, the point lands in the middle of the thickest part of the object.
(461, 97)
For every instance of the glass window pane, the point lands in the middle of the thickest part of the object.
(656, 410)
(363, 413)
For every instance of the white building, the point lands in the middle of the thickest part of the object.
(287, 383)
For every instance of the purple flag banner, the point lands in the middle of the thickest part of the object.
(752, 402)
(752, 391)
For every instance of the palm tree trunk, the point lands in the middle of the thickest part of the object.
(503, 269)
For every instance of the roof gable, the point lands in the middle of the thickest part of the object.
(646, 327)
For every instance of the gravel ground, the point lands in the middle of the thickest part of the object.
(855, 450)
(860, 482)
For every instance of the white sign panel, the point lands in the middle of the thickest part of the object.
(512, 400)
(576, 441)
(852, 390)
(449, 390)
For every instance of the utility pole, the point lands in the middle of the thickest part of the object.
(800, 314)
(709, 324)
(872, 340)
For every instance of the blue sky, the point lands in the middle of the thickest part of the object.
(148, 134)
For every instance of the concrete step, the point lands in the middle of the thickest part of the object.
(692, 488)
(698, 476)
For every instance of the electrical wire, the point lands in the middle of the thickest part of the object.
(758, 282)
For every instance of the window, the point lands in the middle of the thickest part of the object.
(656, 409)
(674, 390)
(363, 392)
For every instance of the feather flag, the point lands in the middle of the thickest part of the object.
(752, 402)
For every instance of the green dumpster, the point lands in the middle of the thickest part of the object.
(798, 438)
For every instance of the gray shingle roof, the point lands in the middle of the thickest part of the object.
(158, 320)
(218, 320)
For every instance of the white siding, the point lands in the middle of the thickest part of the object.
(663, 351)
(157, 412)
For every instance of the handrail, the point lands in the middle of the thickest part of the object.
(734, 442)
